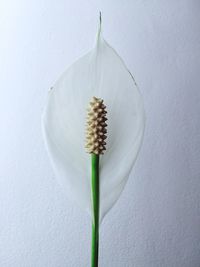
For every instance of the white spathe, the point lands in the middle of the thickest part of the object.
(103, 74)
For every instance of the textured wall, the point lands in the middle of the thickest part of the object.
(156, 221)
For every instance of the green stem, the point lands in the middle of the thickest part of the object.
(95, 209)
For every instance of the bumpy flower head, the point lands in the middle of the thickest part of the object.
(96, 127)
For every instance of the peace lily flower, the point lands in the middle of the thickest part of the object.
(101, 74)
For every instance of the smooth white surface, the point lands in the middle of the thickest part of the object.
(156, 221)
(100, 73)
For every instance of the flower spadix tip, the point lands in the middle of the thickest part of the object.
(96, 127)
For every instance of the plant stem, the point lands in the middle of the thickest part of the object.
(95, 209)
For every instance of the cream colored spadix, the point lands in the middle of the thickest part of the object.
(96, 127)
(99, 73)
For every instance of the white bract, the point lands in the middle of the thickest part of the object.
(103, 74)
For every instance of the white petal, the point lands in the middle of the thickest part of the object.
(100, 73)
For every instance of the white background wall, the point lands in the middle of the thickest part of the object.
(156, 222)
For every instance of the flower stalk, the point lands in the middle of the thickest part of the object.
(95, 208)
